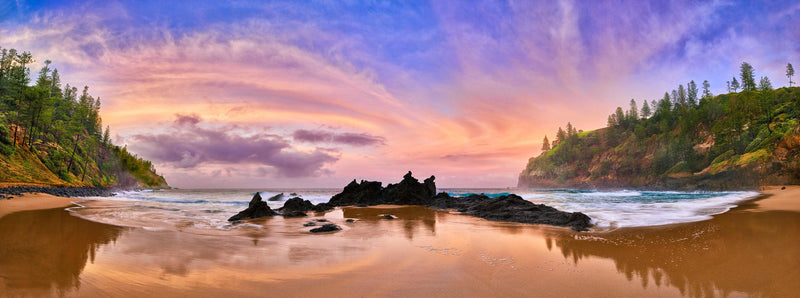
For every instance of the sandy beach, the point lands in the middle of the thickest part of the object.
(35, 201)
(749, 251)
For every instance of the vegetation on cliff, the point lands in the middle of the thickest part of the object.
(52, 135)
(687, 139)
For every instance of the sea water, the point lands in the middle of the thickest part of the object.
(209, 209)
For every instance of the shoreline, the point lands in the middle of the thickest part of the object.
(34, 201)
(770, 198)
(422, 252)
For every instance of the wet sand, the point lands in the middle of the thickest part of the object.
(33, 202)
(749, 251)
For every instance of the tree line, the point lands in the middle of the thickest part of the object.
(673, 132)
(60, 124)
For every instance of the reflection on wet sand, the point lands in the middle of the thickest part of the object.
(755, 253)
(45, 249)
(422, 252)
(411, 217)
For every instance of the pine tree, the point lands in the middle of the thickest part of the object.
(633, 113)
(748, 79)
(707, 89)
(692, 94)
(735, 85)
(545, 144)
(645, 110)
(789, 73)
(764, 84)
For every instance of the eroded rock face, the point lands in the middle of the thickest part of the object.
(255, 209)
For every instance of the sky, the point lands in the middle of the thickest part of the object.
(273, 94)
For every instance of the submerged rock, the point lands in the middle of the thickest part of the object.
(309, 224)
(326, 228)
(255, 209)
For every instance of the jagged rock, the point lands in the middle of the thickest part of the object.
(277, 197)
(326, 228)
(409, 191)
(366, 192)
(256, 208)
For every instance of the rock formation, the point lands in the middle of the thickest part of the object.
(257, 208)
(411, 192)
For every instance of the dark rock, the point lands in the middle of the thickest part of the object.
(322, 220)
(296, 204)
(388, 216)
(60, 191)
(366, 192)
(256, 208)
(326, 228)
(514, 209)
(277, 197)
(294, 214)
(783, 187)
(350, 220)
(294, 194)
(410, 192)
(322, 207)
(309, 224)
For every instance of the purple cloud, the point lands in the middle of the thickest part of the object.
(347, 138)
(189, 145)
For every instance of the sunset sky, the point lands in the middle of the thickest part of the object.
(264, 94)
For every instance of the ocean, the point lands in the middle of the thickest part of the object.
(206, 211)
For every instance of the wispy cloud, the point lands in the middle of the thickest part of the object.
(440, 87)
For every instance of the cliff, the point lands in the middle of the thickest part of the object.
(730, 141)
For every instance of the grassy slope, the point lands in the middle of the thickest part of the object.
(26, 167)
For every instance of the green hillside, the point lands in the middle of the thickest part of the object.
(52, 135)
(739, 140)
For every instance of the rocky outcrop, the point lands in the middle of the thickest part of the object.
(512, 208)
(257, 208)
(408, 192)
(411, 192)
(506, 208)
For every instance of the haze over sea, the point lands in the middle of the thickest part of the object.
(207, 210)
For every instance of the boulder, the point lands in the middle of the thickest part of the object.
(296, 204)
(255, 209)
(326, 228)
